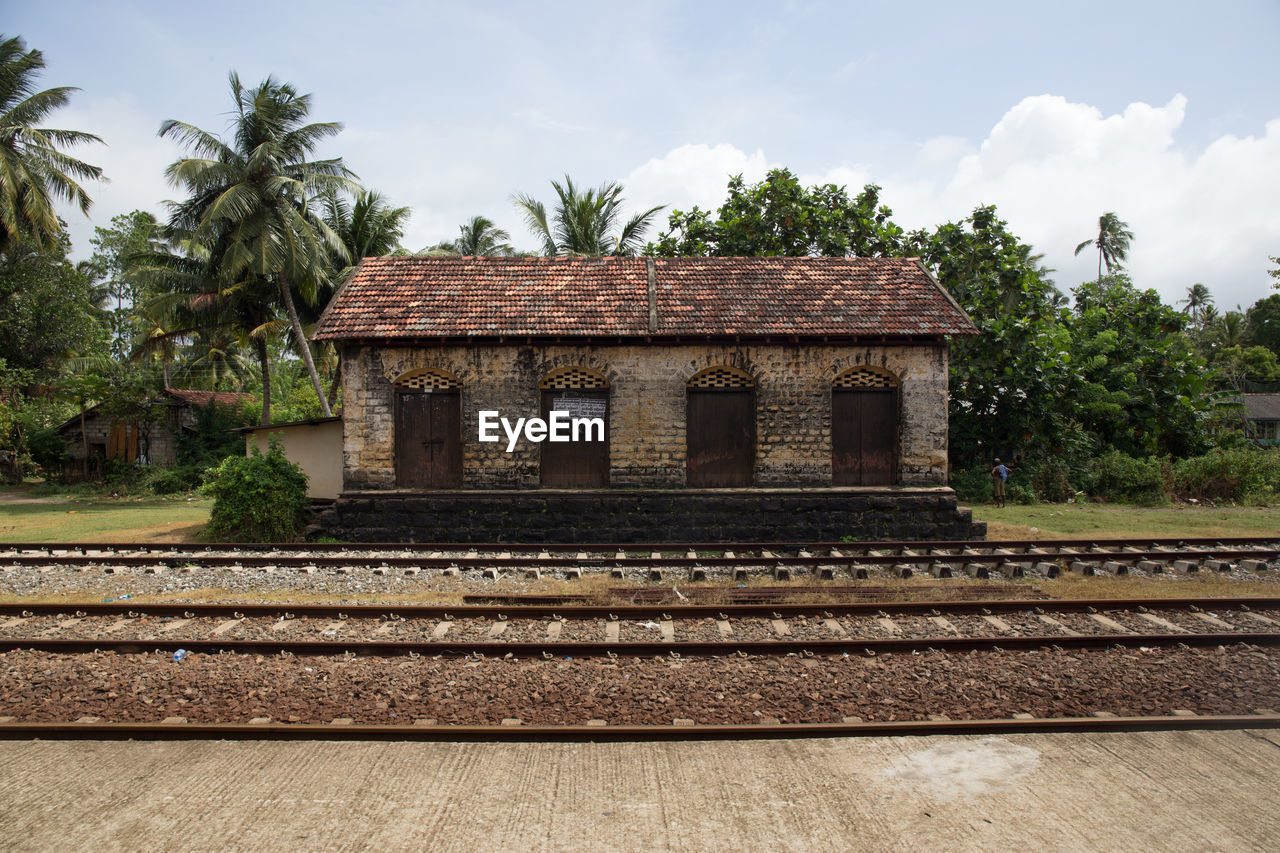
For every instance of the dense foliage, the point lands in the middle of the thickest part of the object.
(257, 498)
(778, 216)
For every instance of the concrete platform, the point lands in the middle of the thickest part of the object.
(1155, 791)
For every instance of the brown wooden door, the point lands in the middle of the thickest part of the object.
(576, 464)
(864, 437)
(428, 440)
(721, 442)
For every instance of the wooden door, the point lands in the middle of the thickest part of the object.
(864, 437)
(576, 464)
(721, 437)
(428, 440)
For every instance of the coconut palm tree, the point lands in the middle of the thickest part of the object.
(254, 202)
(191, 302)
(368, 226)
(1198, 298)
(34, 173)
(1112, 242)
(478, 237)
(583, 222)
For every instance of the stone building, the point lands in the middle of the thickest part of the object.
(94, 437)
(710, 378)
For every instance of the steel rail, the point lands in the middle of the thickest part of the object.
(187, 609)
(21, 730)
(187, 547)
(557, 649)
(501, 561)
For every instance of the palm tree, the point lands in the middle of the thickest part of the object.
(254, 203)
(191, 303)
(368, 226)
(583, 221)
(1198, 298)
(478, 237)
(33, 171)
(1112, 242)
(1231, 327)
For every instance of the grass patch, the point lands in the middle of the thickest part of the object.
(1114, 521)
(25, 517)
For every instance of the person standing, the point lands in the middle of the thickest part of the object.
(999, 476)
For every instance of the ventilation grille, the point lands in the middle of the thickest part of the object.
(427, 380)
(573, 377)
(722, 377)
(861, 377)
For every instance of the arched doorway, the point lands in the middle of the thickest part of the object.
(864, 428)
(583, 464)
(428, 425)
(720, 428)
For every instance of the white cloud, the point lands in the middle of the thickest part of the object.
(1052, 167)
(690, 175)
(133, 161)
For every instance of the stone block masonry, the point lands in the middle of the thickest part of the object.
(647, 407)
(650, 515)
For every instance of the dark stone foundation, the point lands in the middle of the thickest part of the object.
(667, 515)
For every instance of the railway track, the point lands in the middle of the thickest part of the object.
(694, 561)
(637, 630)
(73, 659)
(92, 729)
(708, 637)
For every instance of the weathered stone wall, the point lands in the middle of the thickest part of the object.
(650, 515)
(647, 407)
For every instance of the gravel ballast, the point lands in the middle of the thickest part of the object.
(228, 688)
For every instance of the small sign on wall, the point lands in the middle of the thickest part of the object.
(580, 407)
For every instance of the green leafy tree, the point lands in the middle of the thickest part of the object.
(1112, 242)
(47, 310)
(585, 222)
(1144, 390)
(779, 216)
(115, 250)
(253, 203)
(1008, 384)
(1253, 365)
(478, 237)
(1262, 324)
(34, 171)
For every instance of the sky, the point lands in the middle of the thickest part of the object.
(1166, 113)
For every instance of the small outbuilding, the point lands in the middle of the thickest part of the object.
(688, 376)
(314, 445)
(96, 436)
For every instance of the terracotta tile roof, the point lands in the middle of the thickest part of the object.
(204, 398)
(424, 297)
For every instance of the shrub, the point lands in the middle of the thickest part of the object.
(972, 484)
(181, 478)
(1020, 494)
(1046, 480)
(1124, 479)
(1240, 474)
(258, 498)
